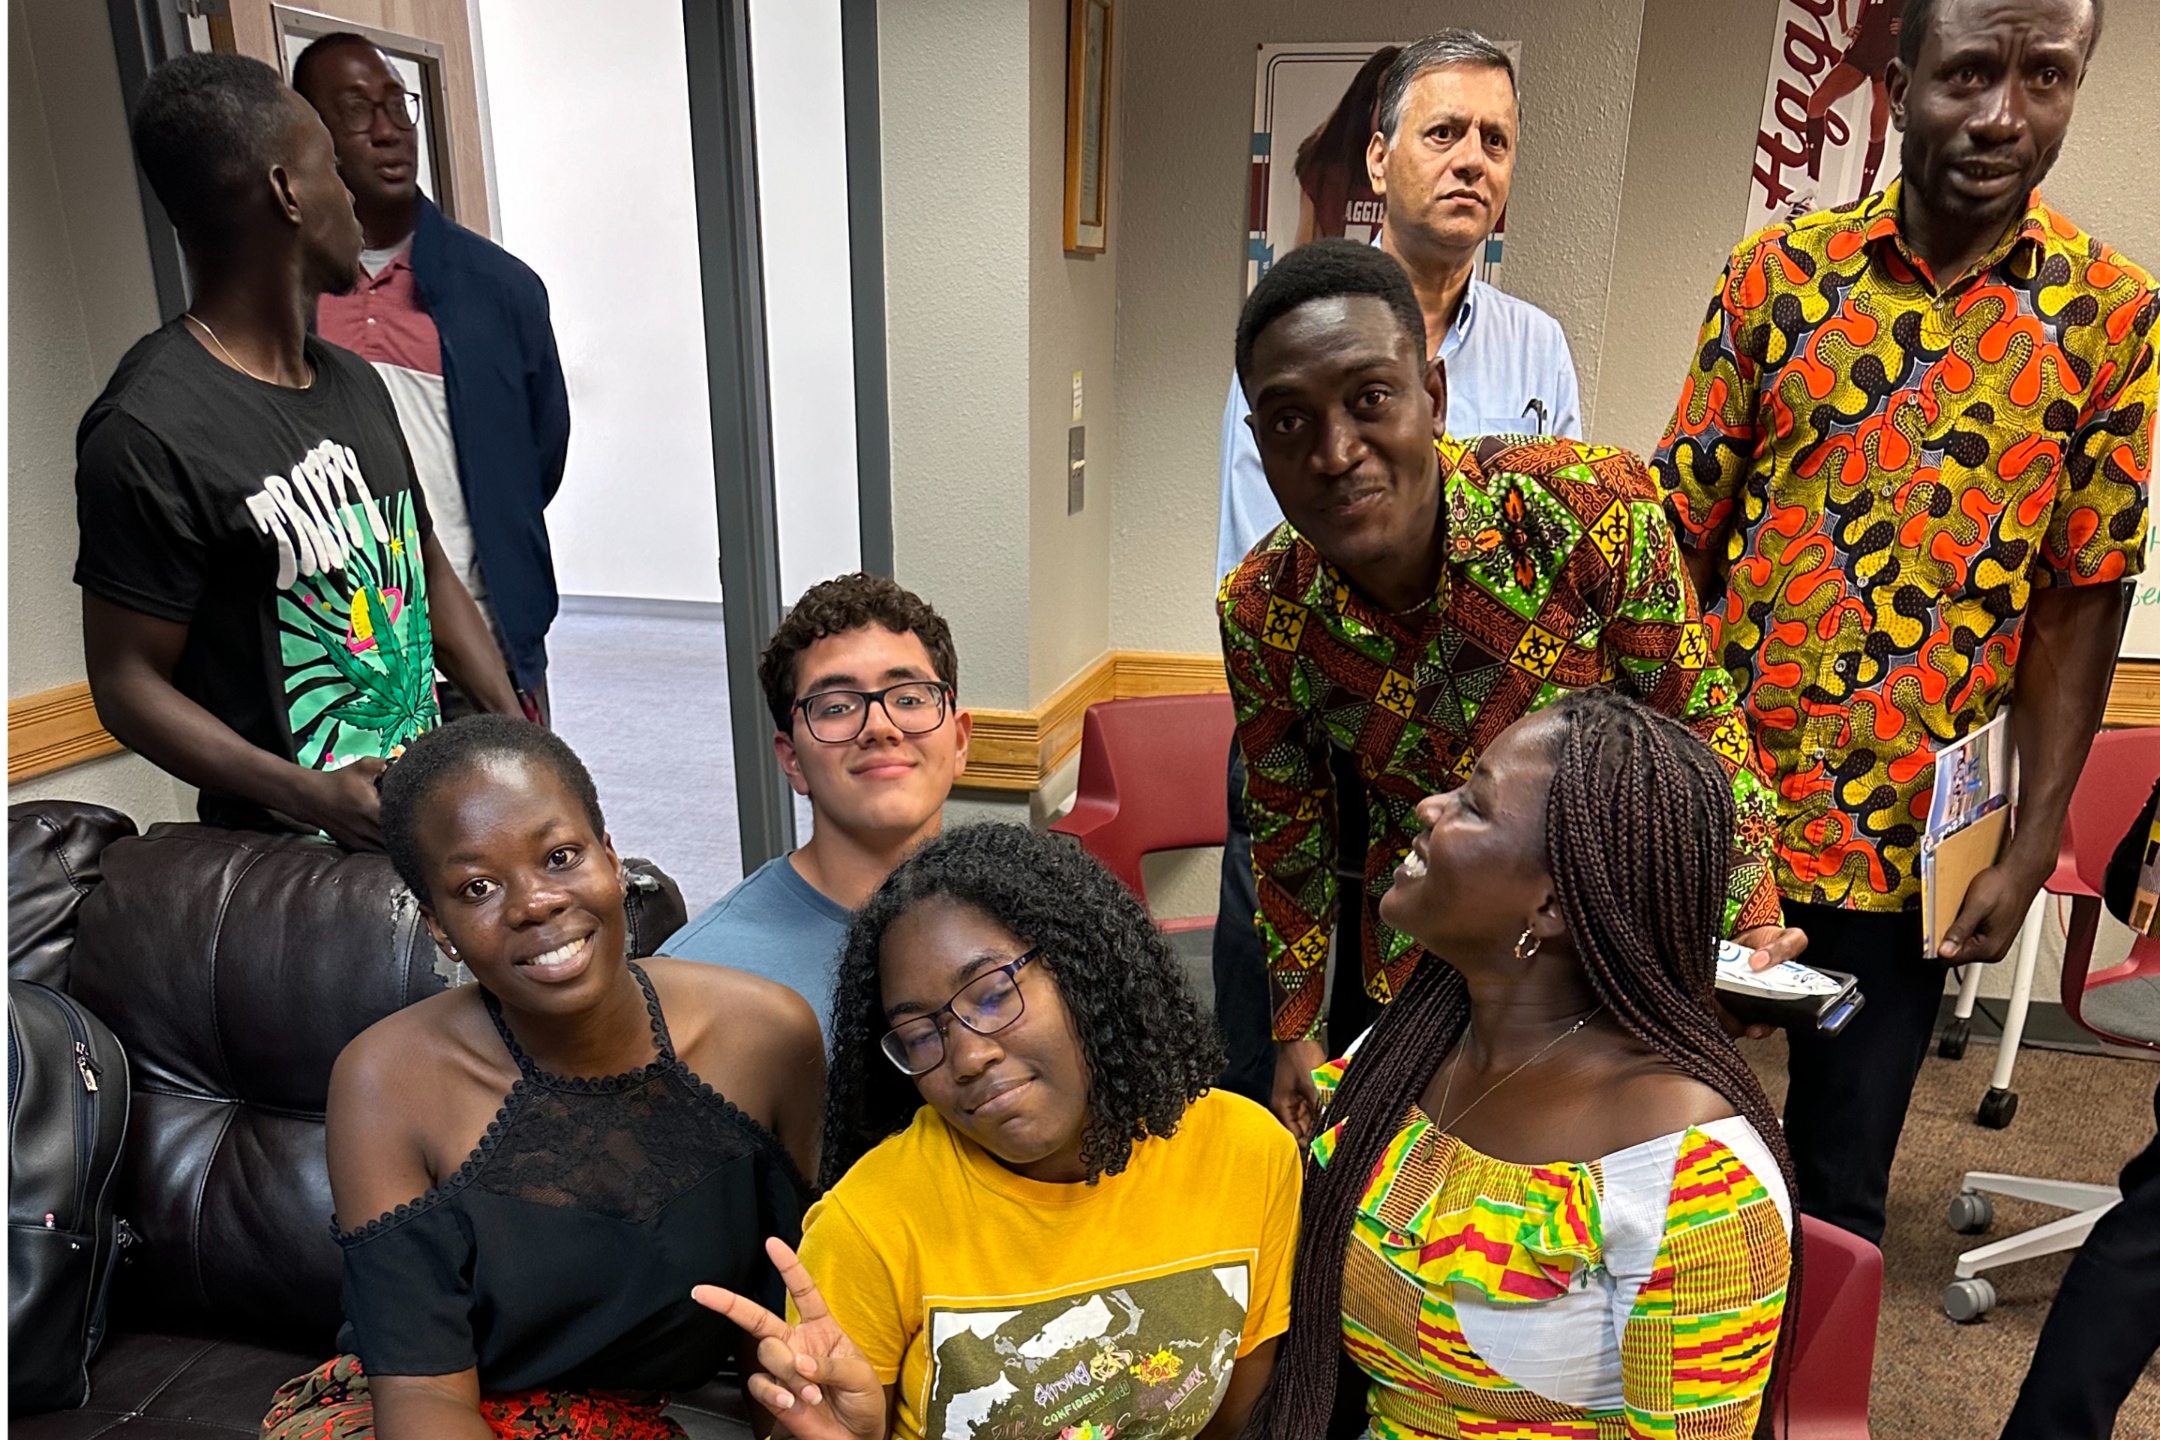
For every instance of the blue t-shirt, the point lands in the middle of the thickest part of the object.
(775, 924)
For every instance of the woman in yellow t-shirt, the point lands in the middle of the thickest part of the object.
(1549, 1198)
(1041, 1223)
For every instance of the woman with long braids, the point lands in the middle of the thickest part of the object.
(1041, 1223)
(1550, 1198)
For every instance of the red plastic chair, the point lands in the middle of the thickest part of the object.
(1825, 1389)
(1151, 778)
(2117, 780)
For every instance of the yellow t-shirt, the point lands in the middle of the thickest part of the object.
(1006, 1307)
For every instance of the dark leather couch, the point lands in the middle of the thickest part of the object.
(234, 968)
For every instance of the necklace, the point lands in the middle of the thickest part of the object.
(232, 357)
(1448, 1092)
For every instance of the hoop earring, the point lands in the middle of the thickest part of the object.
(1526, 944)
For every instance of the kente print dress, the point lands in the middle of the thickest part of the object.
(1635, 1295)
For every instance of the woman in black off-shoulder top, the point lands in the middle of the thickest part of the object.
(531, 1172)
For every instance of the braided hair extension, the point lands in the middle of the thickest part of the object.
(1638, 829)
(1150, 1051)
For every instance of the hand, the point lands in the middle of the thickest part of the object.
(1993, 913)
(819, 1385)
(1768, 945)
(1294, 1098)
(345, 803)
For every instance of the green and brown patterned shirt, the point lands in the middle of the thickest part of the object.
(1884, 469)
(1561, 575)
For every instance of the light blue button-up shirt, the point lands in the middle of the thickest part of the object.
(1502, 354)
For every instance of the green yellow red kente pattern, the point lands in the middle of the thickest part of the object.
(1884, 470)
(1441, 1227)
(1561, 574)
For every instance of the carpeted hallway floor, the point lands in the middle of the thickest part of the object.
(2079, 1118)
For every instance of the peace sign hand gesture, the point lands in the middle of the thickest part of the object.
(815, 1379)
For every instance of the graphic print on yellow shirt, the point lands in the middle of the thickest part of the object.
(1003, 1308)
(1143, 1357)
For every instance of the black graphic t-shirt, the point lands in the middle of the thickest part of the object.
(283, 528)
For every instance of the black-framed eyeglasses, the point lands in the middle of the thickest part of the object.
(986, 1004)
(915, 707)
(355, 114)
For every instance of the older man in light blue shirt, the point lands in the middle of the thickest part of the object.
(1442, 159)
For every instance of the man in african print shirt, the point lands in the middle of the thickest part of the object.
(1421, 596)
(1909, 465)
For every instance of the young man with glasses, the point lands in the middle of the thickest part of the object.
(458, 328)
(861, 678)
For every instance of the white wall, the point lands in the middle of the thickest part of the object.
(590, 126)
(796, 93)
(80, 293)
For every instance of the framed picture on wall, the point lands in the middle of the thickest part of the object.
(1087, 126)
(419, 67)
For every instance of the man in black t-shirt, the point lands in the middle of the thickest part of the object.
(264, 601)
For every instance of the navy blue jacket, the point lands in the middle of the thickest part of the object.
(509, 418)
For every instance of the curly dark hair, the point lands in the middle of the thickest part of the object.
(836, 606)
(1322, 270)
(1638, 840)
(1150, 1051)
(452, 750)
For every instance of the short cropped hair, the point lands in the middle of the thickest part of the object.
(205, 130)
(319, 49)
(1919, 18)
(1319, 271)
(410, 783)
(1435, 52)
(836, 606)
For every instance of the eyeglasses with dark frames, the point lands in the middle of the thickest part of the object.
(355, 113)
(986, 1004)
(915, 707)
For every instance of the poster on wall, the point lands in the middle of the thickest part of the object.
(2142, 640)
(1825, 138)
(1313, 117)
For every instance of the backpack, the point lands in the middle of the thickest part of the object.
(67, 1119)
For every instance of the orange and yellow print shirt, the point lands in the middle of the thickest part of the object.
(1886, 469)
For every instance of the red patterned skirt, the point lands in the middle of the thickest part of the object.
(332, 1402)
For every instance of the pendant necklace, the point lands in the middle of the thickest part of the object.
(1453, 1065)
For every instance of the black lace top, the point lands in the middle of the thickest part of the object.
(563, 1251)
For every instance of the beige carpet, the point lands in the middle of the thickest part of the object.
(2079, 1118)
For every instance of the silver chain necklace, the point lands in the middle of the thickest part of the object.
(1447, 1093)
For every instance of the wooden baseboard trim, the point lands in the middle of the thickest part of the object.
(2134, 698)
(1017, 750)
(1012, 750)
(52, 730)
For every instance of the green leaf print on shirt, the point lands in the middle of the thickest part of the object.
(358, 652)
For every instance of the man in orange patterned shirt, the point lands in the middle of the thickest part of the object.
(1910, 457)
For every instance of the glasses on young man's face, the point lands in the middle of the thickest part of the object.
(915, 707)
(986, 1004)
(354, 114)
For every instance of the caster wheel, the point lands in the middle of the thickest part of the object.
(1971, 1213)
(1967, 1300)
(1952, 1044)
(1998, 1108)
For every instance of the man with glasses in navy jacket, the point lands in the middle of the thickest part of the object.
(458, 329)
